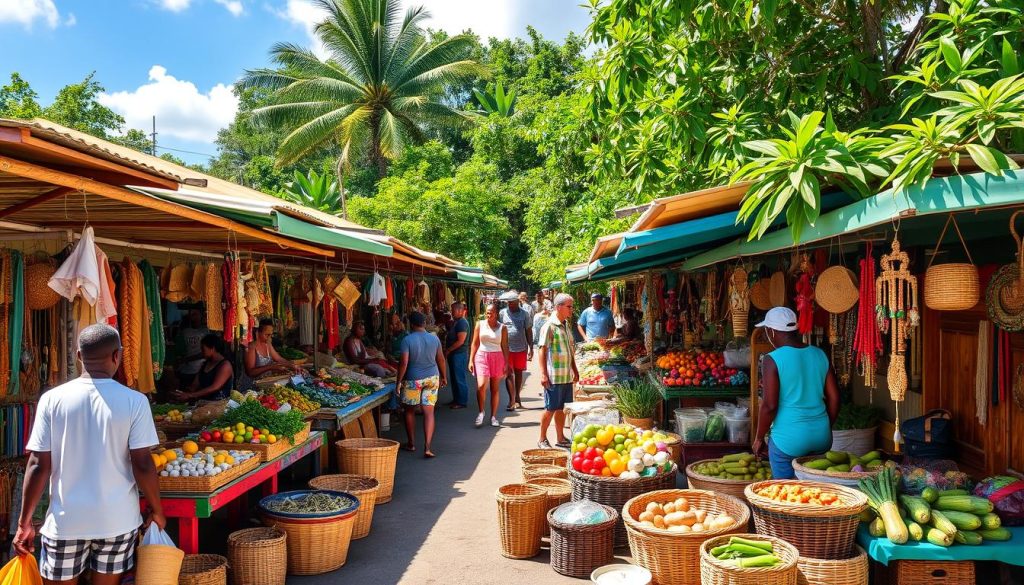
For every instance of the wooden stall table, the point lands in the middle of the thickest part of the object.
(355, 420)
(189, 507)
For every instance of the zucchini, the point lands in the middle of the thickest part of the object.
(870, 456)
(972, 504)
(938, 537)
(995, 534)
(915, 530)
(940, 521)
(967, 537)
(917, 508)
(991, 521)
(818, 464)
(930, 494)
(837, 456)
(877, 527)
(963, 520)
(946, 493)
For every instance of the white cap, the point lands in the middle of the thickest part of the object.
(509, 296)
(779, 319)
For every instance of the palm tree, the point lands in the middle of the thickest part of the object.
(377, 89)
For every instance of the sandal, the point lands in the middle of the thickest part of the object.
(510, 408)
(411, 448)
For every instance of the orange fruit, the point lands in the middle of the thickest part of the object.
(190, 447)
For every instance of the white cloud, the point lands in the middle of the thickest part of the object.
(181, 110)
(175, 5)
(233, 6)
(487, 19)
(26, 12)
(304, 14)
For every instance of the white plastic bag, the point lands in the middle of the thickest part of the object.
(157, 535)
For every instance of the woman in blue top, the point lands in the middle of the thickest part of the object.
(801, 397)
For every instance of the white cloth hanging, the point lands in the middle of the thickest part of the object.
(423, 292)
(378, 290)
(106, 307)
(80, 273)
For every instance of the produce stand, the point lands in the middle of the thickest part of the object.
(880, 549)
(189, 507)
(331, 421)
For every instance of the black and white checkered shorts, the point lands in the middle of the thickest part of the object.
(63, 560)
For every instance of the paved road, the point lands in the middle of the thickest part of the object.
(441, 525)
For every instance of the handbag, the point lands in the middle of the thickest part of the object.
(929, 436)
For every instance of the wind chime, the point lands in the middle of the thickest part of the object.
(897, 314)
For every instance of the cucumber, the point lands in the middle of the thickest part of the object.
(963, 520)
(818, 464)
(991, 521)
(967, 537)
(995, 534)
(837, 456)
(943, 493)
(938, 537)
(870, 456)
(942, 523)
(972, 504)
(917, 508)
(873, 464)
(930, 494)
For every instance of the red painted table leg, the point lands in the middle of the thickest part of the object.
(270, 486)
(188, 535)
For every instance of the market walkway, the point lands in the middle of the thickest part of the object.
(441, 525)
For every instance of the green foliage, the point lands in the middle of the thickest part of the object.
(76, 107)
(499, 102)
(315, 191)
(18, 100)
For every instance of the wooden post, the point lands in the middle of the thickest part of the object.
(316, 325)
(649, 312)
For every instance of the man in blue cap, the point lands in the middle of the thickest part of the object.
(596, 321)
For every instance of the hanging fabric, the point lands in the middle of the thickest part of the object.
(197, 285)
(132, 307)
(422, 293)
(106, 304)
(79, 274)
(389, 289)
(16, 321)
(151, 288)
(805, 297)
(229, 273)
(377, 292)
(332, 336)
(307, 333)
(867, 343)
(180, 286)
(214, 297)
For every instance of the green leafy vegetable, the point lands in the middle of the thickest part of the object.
(853, 416)
(254, 414)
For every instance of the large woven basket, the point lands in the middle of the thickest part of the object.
(698, 481)
(544, 470)
(951, 287)
(522, 511)
(851, 571)
(836, 289)
(203, 570)
(559, 492)
(576, 550)
(818, 532)
(363, 487)
(38, 294)
(847, 478)
(615, 492)
(716, 572)
(777, 289)
(545, 456)
(316, 545)
(760, 295)
(258, 556)
(931, 572)
(673, 558)
(374, 458)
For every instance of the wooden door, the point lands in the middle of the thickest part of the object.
(1013, 435)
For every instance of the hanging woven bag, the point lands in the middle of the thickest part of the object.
(836, 289)
(953, 286)
(38, 294)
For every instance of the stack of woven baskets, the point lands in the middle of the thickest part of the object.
(615, 492)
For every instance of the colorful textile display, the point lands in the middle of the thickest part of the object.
(132, 302)
(15, 321)
(214, 297)
(151, 288)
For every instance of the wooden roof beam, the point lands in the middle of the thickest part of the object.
(38, 199)
(77, 183)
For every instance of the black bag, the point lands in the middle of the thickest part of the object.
(929, 436)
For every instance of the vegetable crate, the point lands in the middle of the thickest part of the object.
(208, 483)
(927, 573)
(266, 451)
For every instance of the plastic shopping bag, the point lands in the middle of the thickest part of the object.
(159, 560)
(22, 570)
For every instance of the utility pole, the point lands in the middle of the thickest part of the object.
(153, 136)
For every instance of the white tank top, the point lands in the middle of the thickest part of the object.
(490, 339)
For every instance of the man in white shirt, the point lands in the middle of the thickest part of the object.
(91, 441)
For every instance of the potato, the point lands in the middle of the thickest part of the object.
(656, 509)
(700, 514)
(680, 528)
(659, 522)
(675, 518)
(646, 517)
(647, 524)
(721, 523)
(698, 527)
(682, 504)
(669, 508)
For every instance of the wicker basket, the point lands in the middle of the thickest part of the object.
(760, 295)
(931, 572)
(818, 532)
(203, 570)
(522, 510)
(777, 289)
(545, 456)
(544, 470)
(258, 556)
(674, 557)
(732, 487)
(267, 451)
(847, 478)
(716, 572)
(615, 492)
(208, 483)
(576, 550)
(836, 289)
(559, 492)
(38, 294)
(851, 571)
(316, 544)
(675, 447)
(363, 487)
(374, 458)
(954, 286)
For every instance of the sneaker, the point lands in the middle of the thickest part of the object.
(564, 444)
(494, 422)
(479, 420)
(543, 444)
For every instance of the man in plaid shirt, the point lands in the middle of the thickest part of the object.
(557, 369)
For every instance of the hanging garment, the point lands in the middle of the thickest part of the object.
(332, 334)
(422, 293)
(106, 304)
(410, 289)
(214, 298)
(79, 274)
(449, 298)
(348, 293)
(16, 321)
(378, 292)
(180, 286)
(307, 334)
(389, 289)
(197, 285)
(229, 276)
(151, 288)
(132, 307)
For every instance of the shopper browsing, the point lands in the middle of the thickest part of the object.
(91, 442)
(421, 372)
(488, 361)
(557, 369)
(596, 321)
(801, 397)
(457, 354)
(519, 324)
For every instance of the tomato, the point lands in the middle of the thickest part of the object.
(599, 464)
(586, 466)
(590, 453)
(577, 463)
(594, 472)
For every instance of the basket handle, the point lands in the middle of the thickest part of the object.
(956, 226)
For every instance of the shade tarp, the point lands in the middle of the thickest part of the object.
(301, 230)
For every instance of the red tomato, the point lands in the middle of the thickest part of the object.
(594, 471)
(589, 453)
(599, 464)
(577, 463)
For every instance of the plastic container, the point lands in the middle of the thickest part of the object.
(621, 575)
(715, 432)
(743, 402)
(691, 427)
(738, 430)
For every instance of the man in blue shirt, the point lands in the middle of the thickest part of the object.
(596, 321)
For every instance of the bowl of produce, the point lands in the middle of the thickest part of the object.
(839, 467)
(319, 526)
(309, 504)
(729, 474)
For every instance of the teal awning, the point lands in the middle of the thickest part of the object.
(466, 276)
(939, 195)
(301, 230)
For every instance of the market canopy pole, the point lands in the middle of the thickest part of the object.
(77, 183)
(649, 311)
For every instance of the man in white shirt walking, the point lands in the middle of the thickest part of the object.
(91, 441)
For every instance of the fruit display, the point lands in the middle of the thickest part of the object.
(240, 433)
(279, 395)
(592, 375)
(698, 368)
(251, 413)
(940, 517)
(743, 466)
(747, 553)
(188, 461)
(320, 393)
(678, 516)
(178, 413)
(798, 494)
(844, 462)
(620, 451)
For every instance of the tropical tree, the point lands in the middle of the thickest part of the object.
(499, 102)
(314, 190)
(374, 94)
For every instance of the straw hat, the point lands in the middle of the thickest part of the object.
(836, 290)
(760, 295)
(180, 285)
(777, 289)
(38, 294)
(1005, 298)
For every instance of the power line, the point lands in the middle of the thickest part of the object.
(187, 151)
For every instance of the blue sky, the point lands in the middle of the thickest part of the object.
(177, 59)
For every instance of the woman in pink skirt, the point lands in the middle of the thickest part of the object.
(488, 361)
